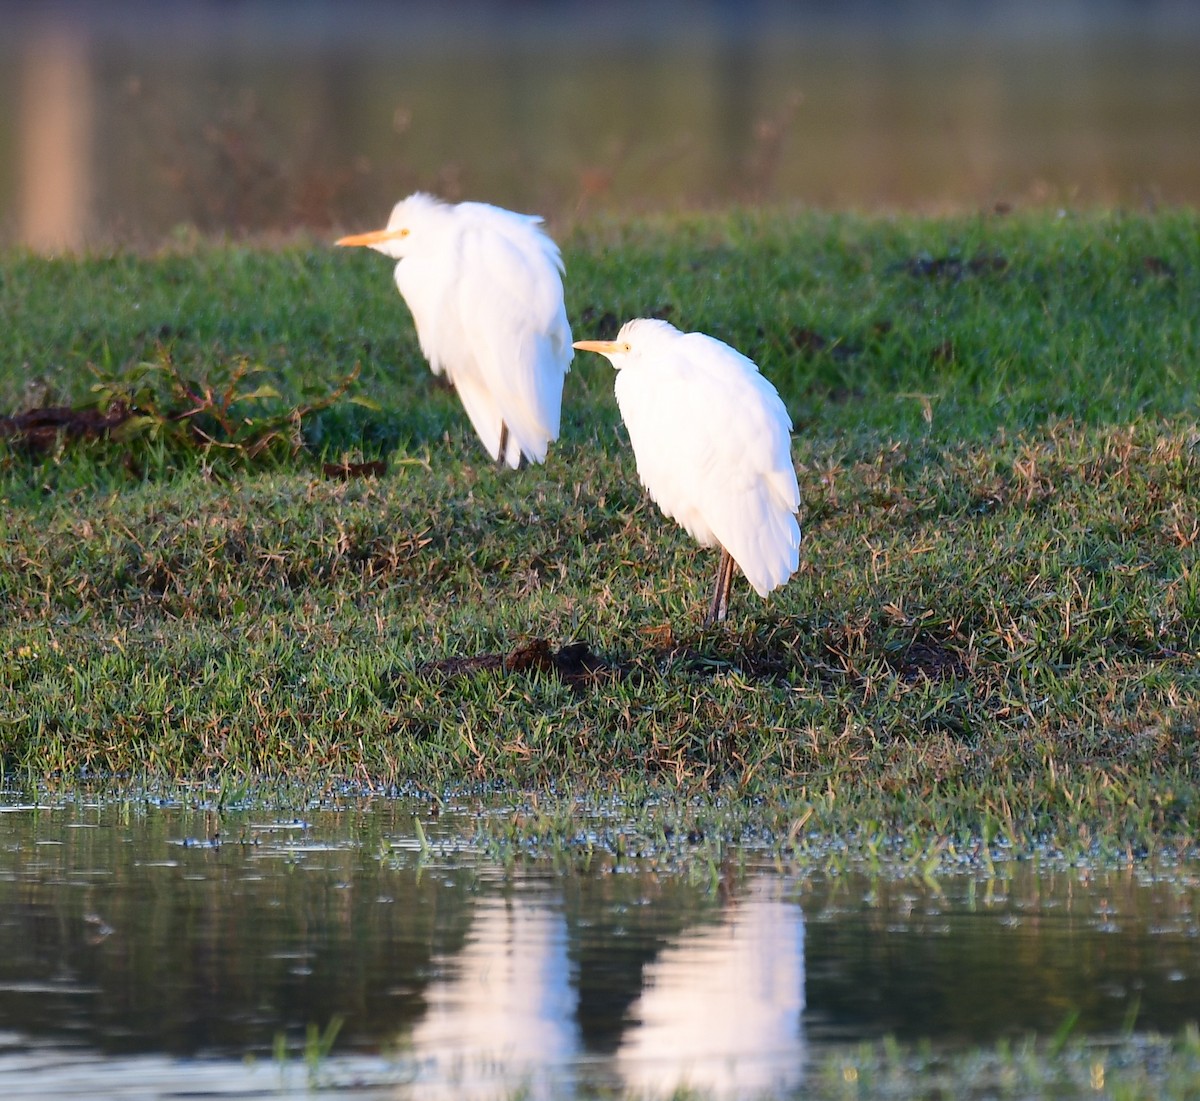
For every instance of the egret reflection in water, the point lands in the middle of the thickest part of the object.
(719, 1010)
(502, 1010)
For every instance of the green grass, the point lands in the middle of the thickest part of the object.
(1130, 1068)
(993, 635)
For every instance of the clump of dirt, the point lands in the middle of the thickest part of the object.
(574, 663)
(578, 666)
(37, 431)
(343, 472)
(929, 660)
(954, 267)
(809, 342)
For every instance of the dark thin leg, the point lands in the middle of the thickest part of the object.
(718, 608)
(503, 444)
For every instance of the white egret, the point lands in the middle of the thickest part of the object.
(485, 289)
(712, 439)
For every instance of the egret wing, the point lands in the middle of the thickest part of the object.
(514, 325)
(713, 444)
(750, 482)
(667, 424)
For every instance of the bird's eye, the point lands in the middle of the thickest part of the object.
(627, 347)
(403, 233)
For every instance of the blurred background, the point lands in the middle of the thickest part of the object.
(133, 121)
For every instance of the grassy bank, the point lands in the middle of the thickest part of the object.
(994, 631)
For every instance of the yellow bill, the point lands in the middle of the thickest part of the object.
(375, 237)
(604, 347)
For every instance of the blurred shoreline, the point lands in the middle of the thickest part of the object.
(132, 121)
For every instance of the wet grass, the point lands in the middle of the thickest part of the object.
(993, 636)
(1127, 1067)
(1148, 1067)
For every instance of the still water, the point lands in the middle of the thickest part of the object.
(152, 950)
(133, 120)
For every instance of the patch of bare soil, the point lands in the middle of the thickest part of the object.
(574, 663)
(928, 660)
(343, 472)
(954, 267)
(38, 430)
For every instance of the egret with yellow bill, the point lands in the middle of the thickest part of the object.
(712, 440)
(484, 286)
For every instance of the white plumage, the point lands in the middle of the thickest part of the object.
(712, 441)
(485, 289)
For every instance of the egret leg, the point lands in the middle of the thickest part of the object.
(500, 461)
(718, 608)
(503, 445)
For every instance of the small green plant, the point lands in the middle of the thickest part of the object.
(234, 410)
(318, 1044)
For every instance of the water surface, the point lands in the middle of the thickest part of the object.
(131, 119)
(159, 950)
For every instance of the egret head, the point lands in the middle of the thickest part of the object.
(616, 351)
(409, 222)
(637, 336)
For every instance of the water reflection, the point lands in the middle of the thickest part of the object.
(134, 948)
(503, 1008)
(132, 119)
(721, 1007)
(55, 131)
